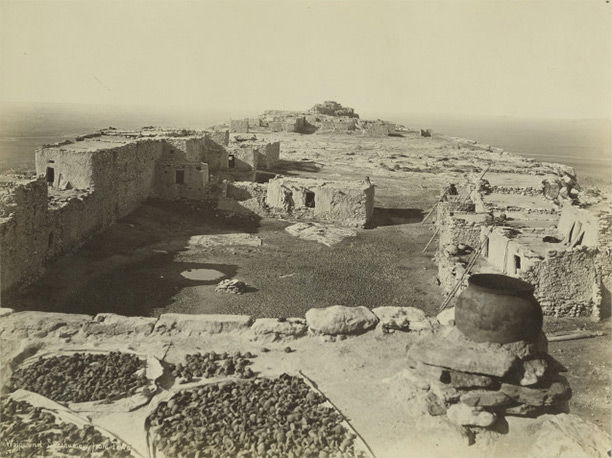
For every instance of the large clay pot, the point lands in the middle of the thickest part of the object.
(498, 308)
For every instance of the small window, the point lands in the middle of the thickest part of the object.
(50, 175)
(231, 161)
(517, 263)
(180, 177)
(310, 199)
(51, 237)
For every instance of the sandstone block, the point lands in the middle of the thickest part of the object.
(558, 391)
(339, 319)
(290, 327)
(464, 415)
(113, 324)
(400, 318)
(452, 350)
(193, 325)
(40, 324)
(484, 398)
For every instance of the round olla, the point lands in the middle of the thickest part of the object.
(498, 308)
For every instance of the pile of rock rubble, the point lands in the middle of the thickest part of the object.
(476, 384)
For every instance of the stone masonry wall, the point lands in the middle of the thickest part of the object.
(566, 283)
(24, 236)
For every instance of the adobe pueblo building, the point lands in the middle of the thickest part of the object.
(84, 186)
(273, 215)
(553, 242)
(326, 117)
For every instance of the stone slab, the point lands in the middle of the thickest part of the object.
(450, 349)
(557, 392)
(289, 327)
(112, 324)
(179, 323)
(40, 324)
(485, 398)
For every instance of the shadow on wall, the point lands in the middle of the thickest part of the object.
(396, 216)
(286, 167)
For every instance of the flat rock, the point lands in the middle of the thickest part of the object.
(40, 324)
(447, 317)
(225, 240)
(113, 324)
(339, 319)
(451, 349)
(398, 318)
(190, 325)
(464, 415)
(485, 398)
(325, 234)
(558, 391)
(288, 327)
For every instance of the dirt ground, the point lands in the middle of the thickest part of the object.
(134, 267)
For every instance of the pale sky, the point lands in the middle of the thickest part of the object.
(529, 59)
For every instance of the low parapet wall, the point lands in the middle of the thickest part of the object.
(331, 322)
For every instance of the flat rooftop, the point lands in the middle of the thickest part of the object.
(112, 138)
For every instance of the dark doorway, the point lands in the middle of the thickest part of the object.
(50, 175)
(517, 263)
(180, 177)
(310, 199)
(231, 161)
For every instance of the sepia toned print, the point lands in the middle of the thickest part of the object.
(305, 229)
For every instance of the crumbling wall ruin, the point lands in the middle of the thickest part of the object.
(239, 125)
(254, 156)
